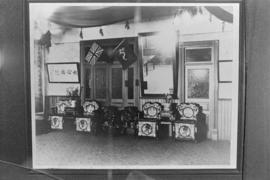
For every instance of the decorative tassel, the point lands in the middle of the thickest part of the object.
(81, 34)
(127, 25)
(101, 32)
(223, 26)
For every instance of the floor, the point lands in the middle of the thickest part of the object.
(71, 149)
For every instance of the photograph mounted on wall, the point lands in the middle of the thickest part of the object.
(135, 85)
(63, 73)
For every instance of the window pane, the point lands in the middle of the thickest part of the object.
(158, 53)
(198, 55)
(130, 83)
(198, 83)
(87, 83)
(100, 83)
(117, 80)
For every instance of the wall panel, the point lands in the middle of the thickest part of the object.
(224, 119)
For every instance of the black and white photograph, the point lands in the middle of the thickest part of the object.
(135, 85)
(134, 89)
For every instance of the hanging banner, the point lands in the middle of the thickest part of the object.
(125, 54)
(94, 53)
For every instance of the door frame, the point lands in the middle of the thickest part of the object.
(214, 45)
(108, 42)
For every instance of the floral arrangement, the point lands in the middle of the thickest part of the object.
(168, 98)
(72, 91)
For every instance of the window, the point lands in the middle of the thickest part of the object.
(198, 55)
(117, 80)
(158, 68)
(100, 83)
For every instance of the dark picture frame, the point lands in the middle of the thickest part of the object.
(236, 173)
(222, 68)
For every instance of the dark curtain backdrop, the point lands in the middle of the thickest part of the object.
(14, 91)
(257, 154)
(13, 88)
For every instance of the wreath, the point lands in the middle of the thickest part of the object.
(146, 129)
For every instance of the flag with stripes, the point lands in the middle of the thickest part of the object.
(94, 53)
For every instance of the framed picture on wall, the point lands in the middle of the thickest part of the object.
(63, 72)
(177, 47)
(225, 74)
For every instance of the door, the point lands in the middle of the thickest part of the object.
(199, 89)
(200, 79)
(131, 88)
(122, 85)
(106, 81)
(112, 85)
(116, 85)
(100, 83)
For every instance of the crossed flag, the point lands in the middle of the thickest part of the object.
(122, 52)
(94, 53)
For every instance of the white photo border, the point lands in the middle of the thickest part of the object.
(235, 84)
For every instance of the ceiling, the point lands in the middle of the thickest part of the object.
(89, 16)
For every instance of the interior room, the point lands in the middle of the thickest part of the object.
(149, 86)
(15, 105)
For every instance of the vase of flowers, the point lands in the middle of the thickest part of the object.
(168, 101)
(72, 93)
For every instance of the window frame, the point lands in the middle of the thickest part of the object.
(174, 68)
